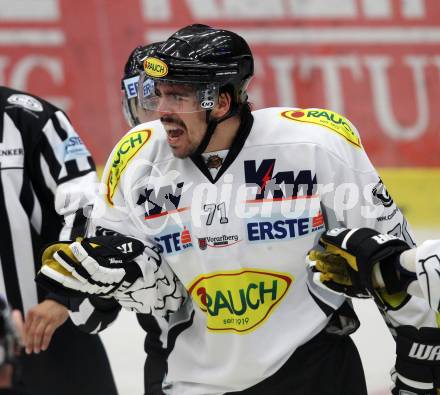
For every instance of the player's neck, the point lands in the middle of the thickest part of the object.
(224, 134)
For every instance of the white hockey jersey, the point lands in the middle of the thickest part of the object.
(238, 242)
(427, 265)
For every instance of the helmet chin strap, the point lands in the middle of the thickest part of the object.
(210, 129)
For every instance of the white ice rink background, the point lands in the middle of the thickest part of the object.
(124, 344)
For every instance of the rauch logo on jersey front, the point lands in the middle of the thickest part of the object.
(175, 240)
(240, 300)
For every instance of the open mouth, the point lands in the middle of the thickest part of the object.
(174, 128)
(174, 135)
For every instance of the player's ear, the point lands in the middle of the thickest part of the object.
(223, 105)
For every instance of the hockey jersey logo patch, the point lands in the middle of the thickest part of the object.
(126, 149)
(155, 67)
(277, 184)
(25, 101)
(329, 119)
(239, 301)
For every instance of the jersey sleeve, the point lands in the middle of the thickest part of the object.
(427, 264)
(116, 210)
(353, 196)
(94, 314)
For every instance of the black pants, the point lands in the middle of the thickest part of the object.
(74, 364)
(326, 365)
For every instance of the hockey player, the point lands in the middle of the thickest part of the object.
(45, 169)
(129, 86)
(227, 203)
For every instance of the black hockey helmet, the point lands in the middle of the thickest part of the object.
(214, 59)
(130, 80)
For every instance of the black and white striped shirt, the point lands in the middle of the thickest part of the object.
(46, 172)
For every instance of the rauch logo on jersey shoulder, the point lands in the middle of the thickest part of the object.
(126, 149)
(326, 118)
(239, 301)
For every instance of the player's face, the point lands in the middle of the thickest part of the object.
(185, 130)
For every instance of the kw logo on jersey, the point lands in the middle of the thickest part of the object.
(279, 229)
(175, 241)
(284, 184)
(161, 201)
(329, 119)
(126, 149)
(239, 301)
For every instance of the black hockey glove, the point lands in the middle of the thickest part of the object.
(96, 265)
(417, 370)
(349, 259)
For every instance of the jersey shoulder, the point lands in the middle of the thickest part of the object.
(311, 125)
(25, 108)
(145, 142)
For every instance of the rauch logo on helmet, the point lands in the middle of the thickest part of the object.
(155, 67)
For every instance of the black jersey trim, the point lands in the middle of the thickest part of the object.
(246, 123)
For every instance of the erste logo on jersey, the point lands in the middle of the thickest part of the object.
(174, 240)
(126, 149)
(278, 228)
(239, 301)
(329, 119)
(283, 184)
(74, 148)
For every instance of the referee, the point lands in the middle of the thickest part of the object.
(45, 174)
